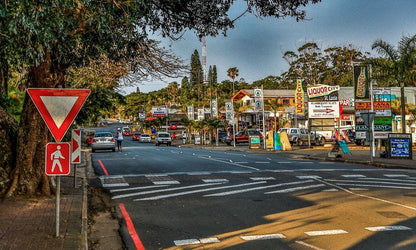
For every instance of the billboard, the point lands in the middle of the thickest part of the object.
(299, 98)
(361, 88)
(159, 111)
(323, 109)
(323, 90)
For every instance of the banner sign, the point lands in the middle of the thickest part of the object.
(299, 98)
(377, 127)
(323, 109)
(159, 111)
(191, 112)
(201, 114)
(321, 90)
(229, 111)
(376, 105)
(214, 109)
(361, 88)
(400, 146)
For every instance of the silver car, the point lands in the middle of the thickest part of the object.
(145, 138)
(103, 140)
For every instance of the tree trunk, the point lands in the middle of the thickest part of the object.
(8, 135)
(33, 134)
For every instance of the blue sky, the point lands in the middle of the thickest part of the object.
(255, 46)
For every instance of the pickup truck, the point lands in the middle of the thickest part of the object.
(242, 137)
(299, 136)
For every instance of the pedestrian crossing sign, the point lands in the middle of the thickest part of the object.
(57, 159)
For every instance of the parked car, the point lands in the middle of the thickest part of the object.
(300, 136)
(136, 136)
(222, 136)
(102, 141)
(242, 136)
(145, 138)
(163, 138)
(126, 131)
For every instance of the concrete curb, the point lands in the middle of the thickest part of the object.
(84, 213)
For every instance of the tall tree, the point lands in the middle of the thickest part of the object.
(49, 38)
(196, 77)
(400, 63)
(232, 73)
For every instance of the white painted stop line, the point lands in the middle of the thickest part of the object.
(263, 237)
(295, 189)
(326, 232)
(387, 228)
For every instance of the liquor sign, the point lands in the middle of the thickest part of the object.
(159, 111)
(191, 112)
(361, 88)
(321, 90)
(323, 109)
(299, 98)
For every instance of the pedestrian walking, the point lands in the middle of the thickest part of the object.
(119, 139)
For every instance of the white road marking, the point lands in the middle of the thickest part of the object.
(330, 190)
(166, 182)
(186, 242)
(358, 189)
(198, 191)
(295, 189)
(214, 180)
(379, 186)
(373, 182)
(155, 175)
(325, 162)
(396, 175)
(387, 228)
(209, 240)
(262, 237)
(353, 176)
(263, 178)
(232, 163)
(306, 162)
(262, 162)
(385, 179)
(326, 232)
(241, 162)
(162, 190)
(366, 196)
(308, 177)
(268, 158)
(284, 162)
(308, 245)
(136, 188)
(257, 188)
(199, 173)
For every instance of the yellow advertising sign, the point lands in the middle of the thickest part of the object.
(299, 98)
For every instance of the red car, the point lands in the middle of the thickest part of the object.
(126, 131)
(136, 136)
(242, 137)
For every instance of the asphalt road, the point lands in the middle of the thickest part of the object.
(185, 198)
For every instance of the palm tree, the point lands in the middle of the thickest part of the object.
(275, 106)
(399, 63)
(232, 73)
(214, 124)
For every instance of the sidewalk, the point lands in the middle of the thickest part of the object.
(29, 223)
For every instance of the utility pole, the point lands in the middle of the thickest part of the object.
(264, 119)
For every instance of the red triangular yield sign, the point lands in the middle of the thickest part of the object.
(58, 107)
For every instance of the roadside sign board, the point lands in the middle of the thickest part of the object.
(379, 112)
(57, 159)
(76, 146)
(323, 109)
(400, 146)
(376, 105)
(58, 107)
(258, 93)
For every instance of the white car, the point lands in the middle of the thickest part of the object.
(102, 141)
(145, 138)
(163, 138)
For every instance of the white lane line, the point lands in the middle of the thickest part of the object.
(373, 182)
(209, 240)
(388, 179)
(284, 162)
(199, 173)
(198, 191)
(262, 162)
(166, 182)
(295, 189)
(262, 237)
(358, 189)
(396, 175)
(214, 180)
(231, 163)
(268, 158)
(326, 232)
(308, 177)
(387, 228)
(162, 190)
(256, 188)
(308, 245)
(186, 242)
(366, 196)
(353, 176)
(241, 162)
(263, 178)
(379, 186)
(325, 162)
(125, 184)
(330, 190)
(306, 162)
(155, 175)
(135, 188)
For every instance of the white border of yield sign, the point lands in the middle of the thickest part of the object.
(76, 146)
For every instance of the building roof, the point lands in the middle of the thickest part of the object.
(268, 93)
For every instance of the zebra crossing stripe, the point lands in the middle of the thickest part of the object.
(373, 182)
(256, 188)
(262, 237)
(263, 178)
(387, 228)
(162, 190)
(388, 179)
(295, 189)
(308, 177)
(166, 182)
(186, 242)
(209, 240)
(326, 232)
(214, 180)
(396, 175)
(353, 176)
(135, 188)
(198, 191)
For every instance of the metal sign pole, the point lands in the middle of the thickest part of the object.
(58, 197)
(264, 120)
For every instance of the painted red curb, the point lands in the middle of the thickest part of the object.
(130, 227)
(102, 166)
